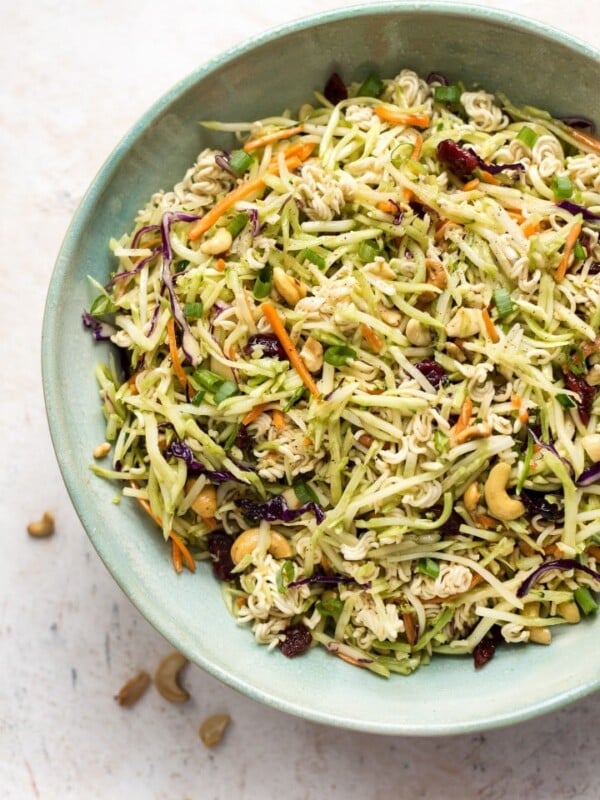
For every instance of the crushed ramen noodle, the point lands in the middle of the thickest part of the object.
(358, 369)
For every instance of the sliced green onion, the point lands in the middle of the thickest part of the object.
(330, 607)
(207, 380)
(226, 389)
(447, 94)
(562, 186)
(528, 136)
(102, 305)
(237, 224)
(338, 355)
(193, 311)
(585, 600)
(579, 251)
(263, 282)
(503, 302)
(368, 251)
(231, 439)
(305, 493)
(526, 464)
(285, 575)
(181, 265)
(565, 400)
(240, 162)
(295, 397)
(441, 442)
(314, 258)
(372, 86)
(198, 397)
(429, 567)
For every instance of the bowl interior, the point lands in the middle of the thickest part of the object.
(281, 70)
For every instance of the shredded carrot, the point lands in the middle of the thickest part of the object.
(530, 227)
(402, 117)
(487, 177)
(176, 556)
(294, 157)
(177, 540)
(470, 185)
(524, 416)
(416, 153)
(515, 401)
(553, 550)
(387, 207)
(442, 228)
(132, 383)
(371, 338)
(586, 139)
(254, 413)
(410, 629)
(466, 413)
(563, 265)
(516, 215)
(221, 264)
(489, 326)
(294, 356)
(278, 419)
(275, 136)
(485, 522)
(174, 353)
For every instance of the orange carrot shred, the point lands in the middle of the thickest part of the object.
(530, 226)
(176, 556)
(221, 264)
(563, 265)
(275, 136)
(515, 401)
(586, 139)
(177, 540)
(174, 353)
(470, 185)
(278, 419)
(387, 207)
(416, 153)
(487, 177)
(254, 413)
(371, 338)
(294, 356)
(442, 228)
(489, 326)
(417, 120)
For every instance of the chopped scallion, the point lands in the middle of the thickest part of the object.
(285, 576)
(305, 493)
(447, 94)
(207, 380)
(565, 400)
(180, 266)
(295, 397)
(314, 258)
(579, 251)
(237, 224)
(226, 390)
(198, 397)
(338, 355)
(585, 600)
(102, 305)
(240, 162)
(372, 86)
(562, 187)
(263, 282)
(429, 567)
(528, 136)
(330, 607)
(503, 302)
(368, 251)
(193, 311)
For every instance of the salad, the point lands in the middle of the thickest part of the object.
(356, 370)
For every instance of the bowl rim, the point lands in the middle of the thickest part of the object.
(49, 361)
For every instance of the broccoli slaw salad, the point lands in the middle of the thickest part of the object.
(356, 370)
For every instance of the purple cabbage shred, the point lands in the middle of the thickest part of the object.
(179, 449)
(575, 208)
(462, 161)
(101, 331)
(437, 77)
(582, 123)
(562, 564)
(322, 580)
(276, 509)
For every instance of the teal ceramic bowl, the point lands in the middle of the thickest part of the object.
(280, 70)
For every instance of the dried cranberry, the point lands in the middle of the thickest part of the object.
(434, 372)
(297, 640)
(219, 547)
(484, 651)
(460, 162)
(575, 383)
(270, 344)
(242, 439)
(594, 268)
(335, 89)
(537, 503)
(452, 525)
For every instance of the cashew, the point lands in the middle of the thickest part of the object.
(454, 351)
(391, 316)
(471, 497)
(436, 274)
(213, 728)
(246, 542)
(569, 611)
(591, 445)
(465, 322)
(381, 269)
(43, 527)
(540, 635)
(479, 431)
(166, 678)
(217, 244)
(101, 450)
(131, 692)
(417, 333)
(312, 354)
(593, 375)
(205, 505)
(291, 289)
(499, 504)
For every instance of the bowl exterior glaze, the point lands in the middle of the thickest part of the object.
(280, 70)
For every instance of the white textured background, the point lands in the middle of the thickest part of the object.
(74, 76)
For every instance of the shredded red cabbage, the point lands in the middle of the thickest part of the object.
(139, 233)
(562, 564)
(583, 123)
(551, 449)
(100, 330)
(575, 208)
(253, 216)
(276, 509)
(138, 268)
(179, 449)
(462, 161)
(322, 580)
(589, 476)
(437, 77)
(222, 160)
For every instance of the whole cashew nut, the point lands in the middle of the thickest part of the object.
(166, 678)
(499, 503)
(246, 542)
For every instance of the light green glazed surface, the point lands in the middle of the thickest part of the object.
(280, 70)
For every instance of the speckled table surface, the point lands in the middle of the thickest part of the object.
(75, 76)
